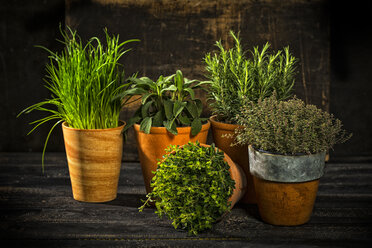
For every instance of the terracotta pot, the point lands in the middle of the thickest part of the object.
(94, 160)
(151, 147)
(239, 153)
(286, 186)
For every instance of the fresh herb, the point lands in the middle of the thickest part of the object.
(192, 186)
(169, 102)
(234, 76)
(82, 80)
(288, 127)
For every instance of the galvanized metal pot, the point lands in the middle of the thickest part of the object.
(286, 186)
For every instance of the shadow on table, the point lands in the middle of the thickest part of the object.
(128, 200)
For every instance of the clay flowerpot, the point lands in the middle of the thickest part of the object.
(238, 153)
(151, 147)
(238, 175)
(94, 161)
(286, 186)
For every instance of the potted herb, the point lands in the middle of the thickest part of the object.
(288, 143)
(82, 80)
(169, 114)
(194, 185)
(236, 75)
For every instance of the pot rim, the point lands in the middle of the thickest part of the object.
(180, 130)
(285, 155)
(222, 125)
(121, 126)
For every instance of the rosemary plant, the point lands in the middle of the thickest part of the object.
(83, 80)
(233, 76)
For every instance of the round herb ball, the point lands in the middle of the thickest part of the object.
(192, 186)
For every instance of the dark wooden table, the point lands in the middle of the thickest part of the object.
(38, 211)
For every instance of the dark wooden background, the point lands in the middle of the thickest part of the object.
(332, 42)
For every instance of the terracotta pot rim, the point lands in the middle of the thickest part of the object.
(180, 130)
(121, 126)
(268, 153)
(222, 125)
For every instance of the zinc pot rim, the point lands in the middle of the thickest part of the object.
(121, 125)
(268, 153)
(180, 130)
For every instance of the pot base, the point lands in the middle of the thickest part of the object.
(285, 204)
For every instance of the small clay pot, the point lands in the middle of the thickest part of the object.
(286, 186)
(238, 153)
(151, 147)
(94, 160)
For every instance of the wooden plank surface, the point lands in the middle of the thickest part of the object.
(38, 210)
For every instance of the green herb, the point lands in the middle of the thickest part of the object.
(82, 80)
(169, 102)
(192, 186)
(288, 127)
(235, 76)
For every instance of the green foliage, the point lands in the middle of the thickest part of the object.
(82, 80)
(169, 102)
(192, 186)
(288, 127)
(235, 76)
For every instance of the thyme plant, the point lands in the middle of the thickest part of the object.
(168, 102)
(235, 75)
(192, 186)
(288, 127)
(83, 80)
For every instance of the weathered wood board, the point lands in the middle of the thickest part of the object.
(39, 211)
(176, 34)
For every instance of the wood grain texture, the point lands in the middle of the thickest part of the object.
(39, 211)
(176, 34)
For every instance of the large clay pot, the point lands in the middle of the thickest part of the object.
(238, 153)
(286, 186)
(151, 147)
(94, 160)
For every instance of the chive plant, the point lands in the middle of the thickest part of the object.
(83, 81)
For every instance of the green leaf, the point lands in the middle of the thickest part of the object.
(168, 107)
(191, 92)
(178, 107)
(131, 122)
(158, 119)
(170, 88)
(145, 125)
(199, 106)
(135, 91)
(146, 96)
(196, 126)
(170, 126)
(145, 109)
(193, 109)
(178, 79)
(184, 120)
